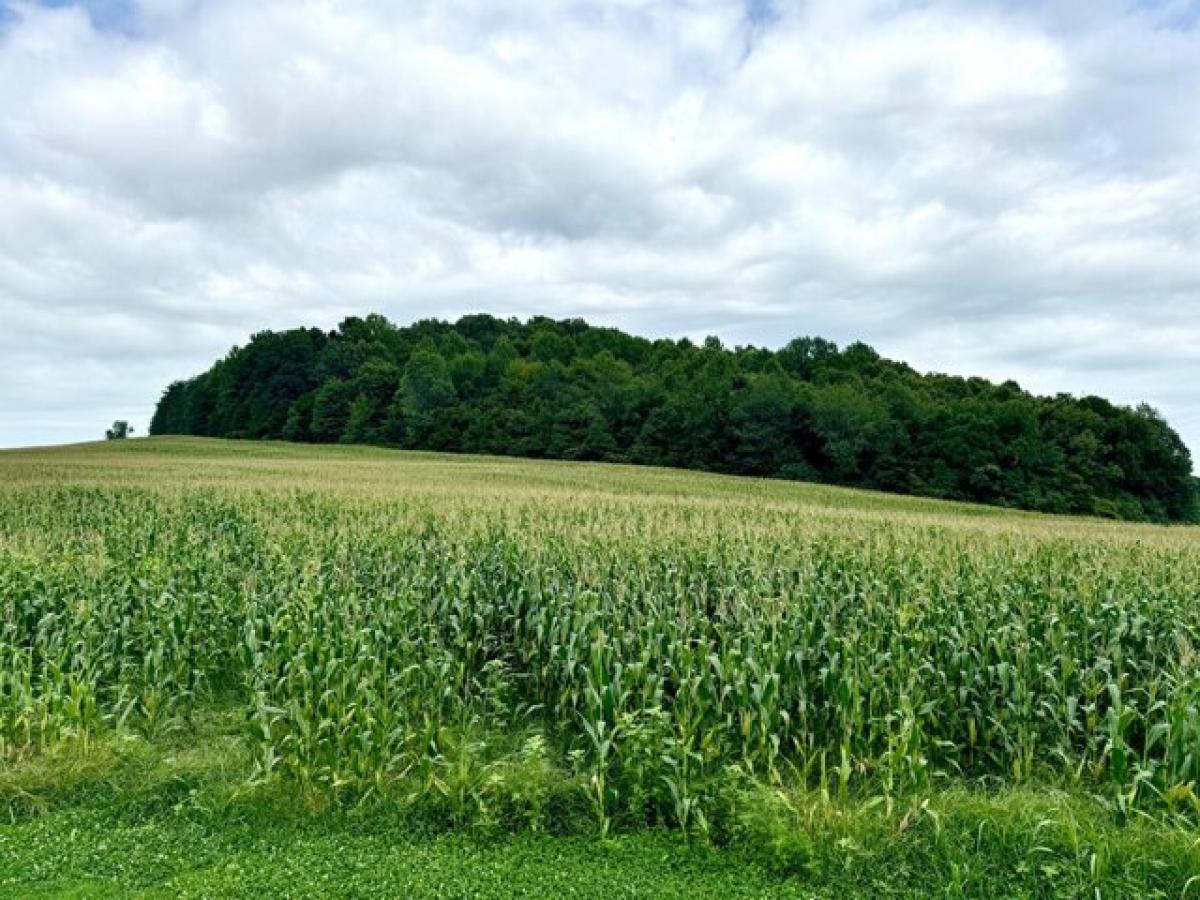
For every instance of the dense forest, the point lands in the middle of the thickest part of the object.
(811, 411)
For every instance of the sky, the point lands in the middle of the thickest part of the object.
(1005, 189)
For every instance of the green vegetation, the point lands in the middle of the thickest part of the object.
(176, 817)
(566, 390)
(119, 431)
(230, 668)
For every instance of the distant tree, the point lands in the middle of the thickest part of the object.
(549, 346)
(172, 415)
(426, 384)
(426, 391)
(331, 411)
(760, 415)
(298, 424)
(358, 423)
(119, 431)
(468, 371)
(373, 387)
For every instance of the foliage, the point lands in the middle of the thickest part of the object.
(119, 431)
(232, 670)
(567, 390)
(173, 818)
(380, 618)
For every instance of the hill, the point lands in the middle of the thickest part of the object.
(809, 411)
(254, 669)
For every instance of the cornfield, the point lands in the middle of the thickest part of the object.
(381, 619)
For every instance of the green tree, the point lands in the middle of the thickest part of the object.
(331, 411)
(426, 391)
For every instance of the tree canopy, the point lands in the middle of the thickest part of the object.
(119, 431)
(812, 411)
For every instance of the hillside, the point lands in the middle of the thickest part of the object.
(252, 669)
(809, 411)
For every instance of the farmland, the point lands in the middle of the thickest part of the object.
(825, 687)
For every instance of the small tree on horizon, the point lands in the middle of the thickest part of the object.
(119, 431)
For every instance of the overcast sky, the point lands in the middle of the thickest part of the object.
(1008, 189)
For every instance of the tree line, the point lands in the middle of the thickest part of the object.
(809, 411)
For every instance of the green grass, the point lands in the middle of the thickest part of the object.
(174, 817)
(88, 857)
(231, 669)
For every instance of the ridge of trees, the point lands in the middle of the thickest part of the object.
(809, 411)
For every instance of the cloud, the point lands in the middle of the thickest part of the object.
(1004, 189)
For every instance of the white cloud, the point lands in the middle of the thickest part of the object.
(987, 188)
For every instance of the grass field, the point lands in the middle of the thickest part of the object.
(234, 668)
